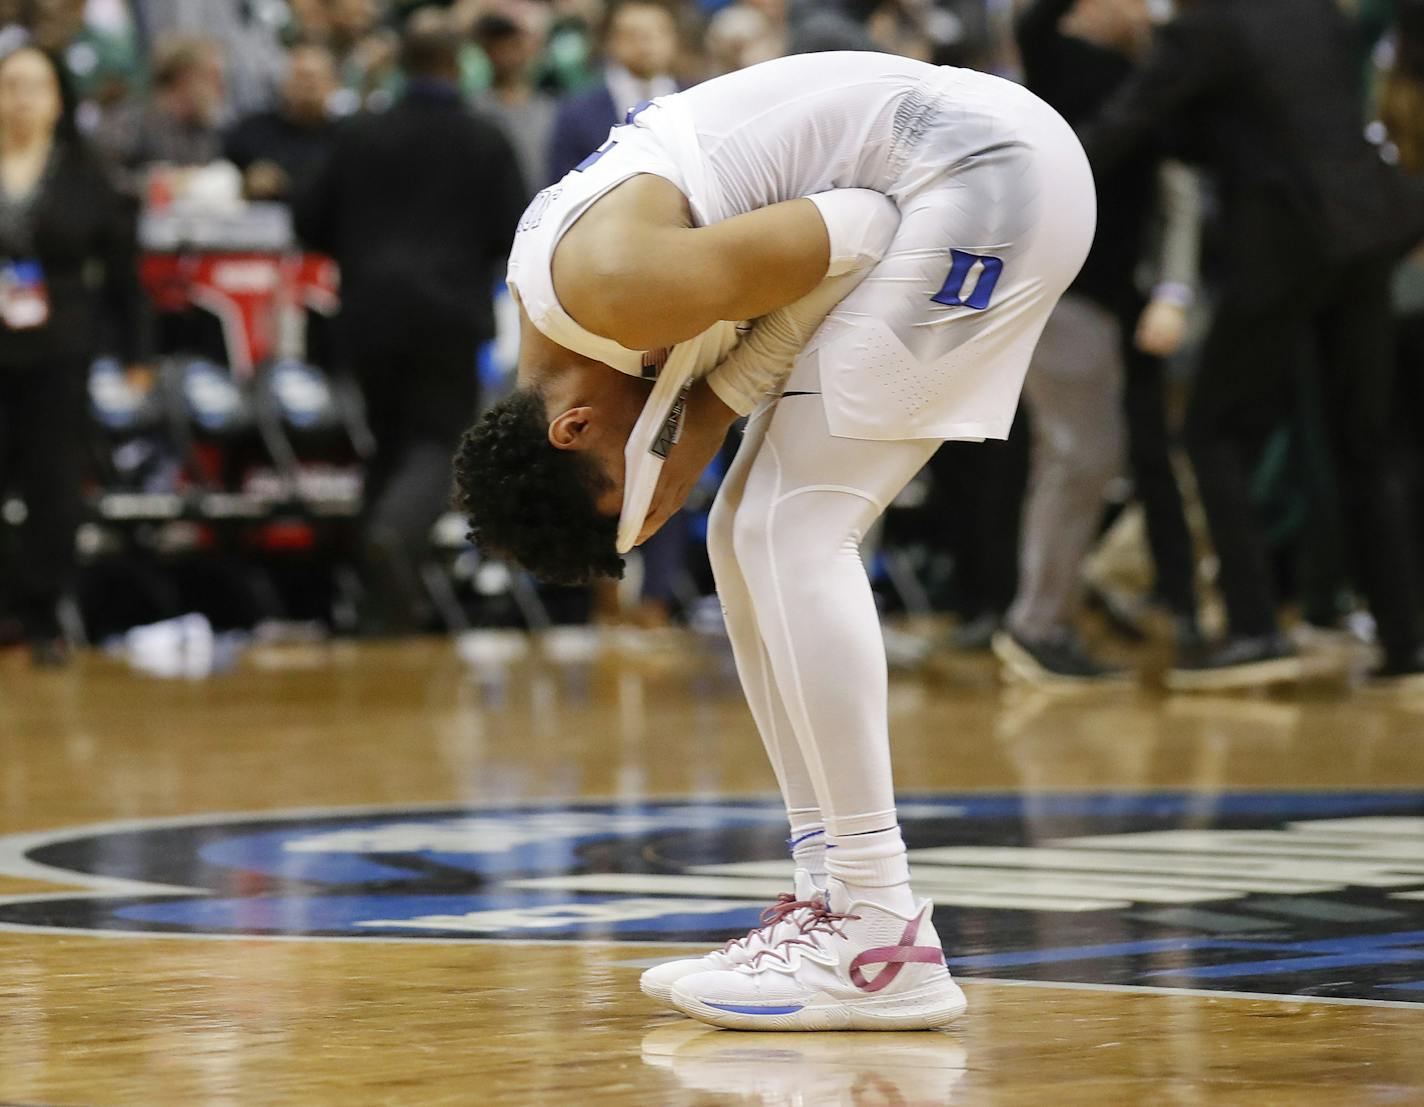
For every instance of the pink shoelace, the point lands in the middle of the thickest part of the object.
(820, 920)
(786, 904)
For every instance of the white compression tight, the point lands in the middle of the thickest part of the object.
(784, 541)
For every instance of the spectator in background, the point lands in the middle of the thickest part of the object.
(418, 206)
(1097, 355)
(640, 46)
(525, 113)
(363, 49)
(98, 44)
(276, 148)
(59, 217)
(743, 34)
(1314, 221)
(248, 38)
(568, 63)
(177, 123)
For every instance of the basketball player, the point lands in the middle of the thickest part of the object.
(898, 233)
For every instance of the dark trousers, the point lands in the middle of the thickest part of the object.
(1149, 445)
(42, 422)
(417, 408)
(1243, 391)
(982, 514)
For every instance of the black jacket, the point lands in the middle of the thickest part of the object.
(1077, 78)
(81, 230)
(1265, 93)
(271, 136)
(418, 207)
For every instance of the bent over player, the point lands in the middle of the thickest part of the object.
(898, 234)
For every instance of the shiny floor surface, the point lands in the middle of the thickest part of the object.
(423, 874)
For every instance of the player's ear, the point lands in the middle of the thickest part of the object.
(572, 429)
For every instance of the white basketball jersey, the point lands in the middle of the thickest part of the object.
(778, 131)
(989, 180)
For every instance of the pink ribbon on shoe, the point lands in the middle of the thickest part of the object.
(894, 958)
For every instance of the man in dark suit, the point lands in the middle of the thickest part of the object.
(418, 206)
(640, 42)
(1266, 94)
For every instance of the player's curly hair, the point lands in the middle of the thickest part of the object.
(530, 502)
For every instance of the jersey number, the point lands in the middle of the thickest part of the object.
(961, 264)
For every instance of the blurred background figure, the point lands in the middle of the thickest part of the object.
(98, 45)
(569, 62)
(247, 37)
(418, 207)
(179, 121)
(525, 113)
(59, 219)
(640, 40)
(1100, 357)
(1313, 221)
(279, 146)
(743, 34)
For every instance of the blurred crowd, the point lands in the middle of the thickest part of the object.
(1238, 369)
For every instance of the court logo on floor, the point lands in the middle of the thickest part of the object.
(1279, 893)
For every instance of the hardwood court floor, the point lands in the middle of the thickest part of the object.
(99, 1012)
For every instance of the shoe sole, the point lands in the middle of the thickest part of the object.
(1020, 666)
(657, 992)
(927, 1007)
(1259, 674)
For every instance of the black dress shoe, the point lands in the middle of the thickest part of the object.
(1055, 661)
(1241, 661)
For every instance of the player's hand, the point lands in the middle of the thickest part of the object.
(1161, 328)
(265, 180)
(704, 429)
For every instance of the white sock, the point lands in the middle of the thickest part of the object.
(808, 845)
(873, 868)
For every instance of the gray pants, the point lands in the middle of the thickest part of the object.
(1074, 392)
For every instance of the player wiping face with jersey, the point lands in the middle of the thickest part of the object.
(860, 252)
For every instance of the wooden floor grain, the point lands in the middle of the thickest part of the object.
(88, 1020)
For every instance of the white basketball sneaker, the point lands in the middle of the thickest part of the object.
(857, 967)
(780, 921)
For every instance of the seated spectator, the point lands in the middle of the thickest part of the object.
(177, 122)
(276, 148)
(525, 113)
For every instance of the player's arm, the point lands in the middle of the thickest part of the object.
(640, 274)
